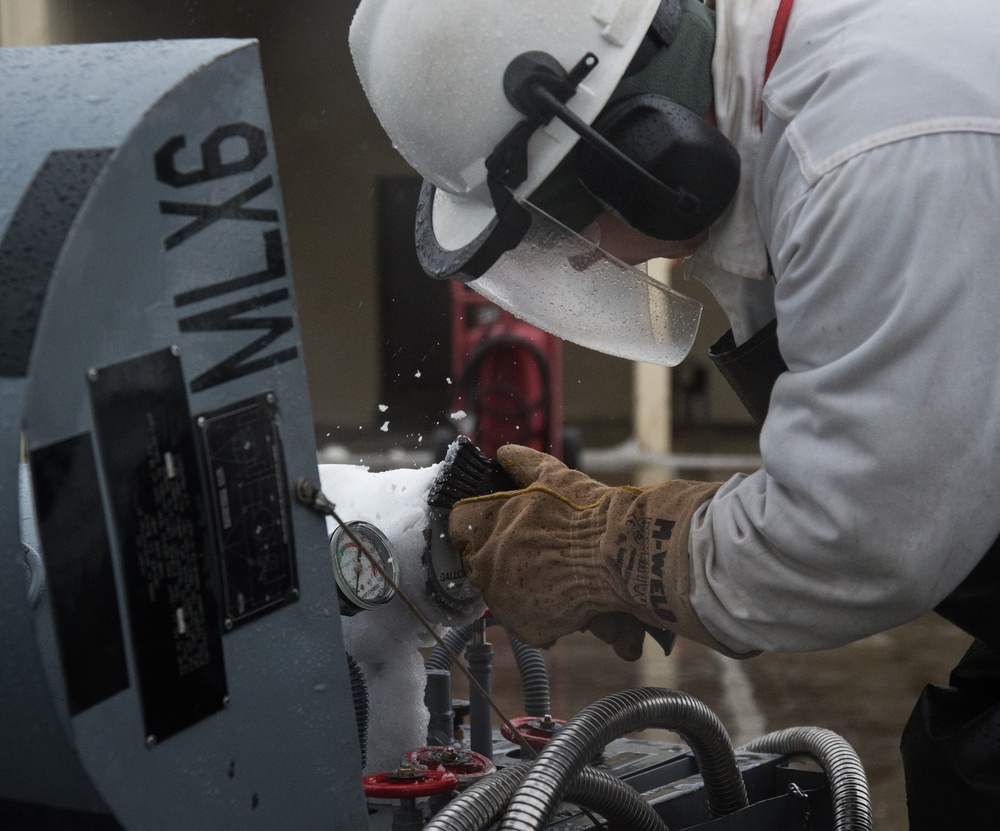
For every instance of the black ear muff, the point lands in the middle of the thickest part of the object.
(678, 148)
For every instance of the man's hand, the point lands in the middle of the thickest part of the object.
(565, 552)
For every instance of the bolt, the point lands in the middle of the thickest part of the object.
(547, 724)
(305, 491)
(92, 374)
(151, 741)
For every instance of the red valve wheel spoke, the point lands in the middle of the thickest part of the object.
(420, 783)
(467, 765)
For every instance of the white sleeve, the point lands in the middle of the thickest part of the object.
(880, 488)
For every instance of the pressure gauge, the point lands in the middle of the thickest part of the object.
(359, 583)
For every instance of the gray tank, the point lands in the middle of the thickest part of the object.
(170, 648)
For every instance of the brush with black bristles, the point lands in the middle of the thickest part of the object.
(465, 472)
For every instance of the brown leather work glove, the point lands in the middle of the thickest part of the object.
(566, 552)
(627, 634)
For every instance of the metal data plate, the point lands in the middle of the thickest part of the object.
(251, 509)
(148, 449)
(81, 582)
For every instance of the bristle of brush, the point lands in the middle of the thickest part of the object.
(465, 472)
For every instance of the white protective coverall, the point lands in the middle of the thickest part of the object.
(875, 188)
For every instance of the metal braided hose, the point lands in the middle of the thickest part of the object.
(592, 728)
(481, 805)
(852, 807)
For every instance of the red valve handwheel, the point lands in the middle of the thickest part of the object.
(393, 785)
(467, 765)
(535, 730)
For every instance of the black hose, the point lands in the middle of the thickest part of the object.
(620, 804)
(530, 666)
(480, 806)
(534, 677)
(852, 807)
(584, 735)
(359, 695)
(455, 639)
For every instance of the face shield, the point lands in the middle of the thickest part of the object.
(538, 269)
(560, 282)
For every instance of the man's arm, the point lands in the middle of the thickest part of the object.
(881, 476)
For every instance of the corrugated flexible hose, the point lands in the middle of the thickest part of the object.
(479, 807)
(592, 728)
(359, 695)
(852, 807)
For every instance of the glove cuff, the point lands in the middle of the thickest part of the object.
(645, 548)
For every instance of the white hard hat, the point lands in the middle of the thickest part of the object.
(433, 70)
(485, 101)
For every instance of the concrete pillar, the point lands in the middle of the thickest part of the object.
(651, 406)
(24, 23)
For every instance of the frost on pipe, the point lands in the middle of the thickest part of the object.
(385, 641)
(562, 283)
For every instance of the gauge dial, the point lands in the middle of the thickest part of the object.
(360, 584)
(447, 581)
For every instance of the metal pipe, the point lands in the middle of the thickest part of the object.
(437, 699)
(592, 728)
(479, 807)
(479, 655)
(852, 806)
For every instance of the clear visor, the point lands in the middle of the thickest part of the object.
(558, 281)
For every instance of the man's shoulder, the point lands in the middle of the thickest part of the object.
(855, 75)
